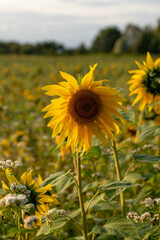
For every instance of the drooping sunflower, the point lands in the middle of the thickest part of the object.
(145, 82)
(82, 110)
(39, 196)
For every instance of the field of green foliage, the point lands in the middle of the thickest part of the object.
(25, 137)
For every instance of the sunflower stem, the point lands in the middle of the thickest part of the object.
(18, 224)
(94, 196)
(139, 124)
(118, 175)
(80, 194)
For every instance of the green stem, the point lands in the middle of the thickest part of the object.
(74, 180)
(139, 124)
(74, 220)
(95, 195)
(118, 175)
(159, 220)
(158, 143)
(80, 194)
(18, 224)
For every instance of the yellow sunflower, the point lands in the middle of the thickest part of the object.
(39, 196)
(145, 82)
(82, 110)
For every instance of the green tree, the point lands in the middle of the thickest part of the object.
(105, 40)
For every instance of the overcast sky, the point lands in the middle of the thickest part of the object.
(71, 22)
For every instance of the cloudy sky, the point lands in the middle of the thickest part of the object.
(71, 22)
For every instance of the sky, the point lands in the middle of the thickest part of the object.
(71, 22)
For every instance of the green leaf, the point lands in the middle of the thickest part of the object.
(29, 208)
(55, 148)
(149, 234)
(54, 179)
(43, 237)
(85, 187)
(11, 231)
(94, 151)
(47, 229)
(132, 177)
(146, 158)
(128, 116)
(105, 237)
(113, 185)
(114, 188)
(59, 222)
(99, 230)
(64, 183)
(76, 238)
(121, 226)
(106, 205)
(95, 201)
(2, 192)
(148, 132)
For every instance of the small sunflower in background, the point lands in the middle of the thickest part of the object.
(145, 82)
(81, 110)
(39, 196)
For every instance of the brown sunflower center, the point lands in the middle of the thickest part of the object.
(84, 106)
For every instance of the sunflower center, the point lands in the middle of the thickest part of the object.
(152, 82)
(84, 106)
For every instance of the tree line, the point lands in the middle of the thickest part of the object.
(133, 39)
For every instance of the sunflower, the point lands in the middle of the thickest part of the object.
(145, 82)
(39, 196)
(81, 110)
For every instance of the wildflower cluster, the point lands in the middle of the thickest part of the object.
(14, 187)
(151, 203)
(11, 200)
(9, 164)
(56, 212)
(136, 218)
(30, 221)
(146, 146)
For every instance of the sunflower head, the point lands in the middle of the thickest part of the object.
(145, 82)
(81, 110)
(41, 197)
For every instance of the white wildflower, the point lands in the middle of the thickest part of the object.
(156, 201)
(155, 218)
(56, 212)
(13, 200)
(145, 216)
(9, 164)
(29, 222)
(19, 188)
(149, 202)
(134, 216)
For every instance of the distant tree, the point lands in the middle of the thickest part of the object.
(149, 41)
(105, 40)
(132, 34)
(120, 45)
(81, 49)
(49, 48)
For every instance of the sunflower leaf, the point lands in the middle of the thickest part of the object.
(121, 226)
(114, 188)
(146, 158)
(29, 208)
(149, 131)
(53, 178)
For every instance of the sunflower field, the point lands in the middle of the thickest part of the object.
(80, 147)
